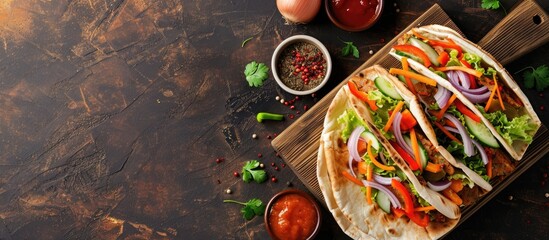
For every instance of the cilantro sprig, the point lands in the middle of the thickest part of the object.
(253, 207)
(490, 4)
(350, 48)
(536, 77)
(256, 73)
(251, 172)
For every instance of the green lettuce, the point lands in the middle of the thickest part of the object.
(420, 200)
(349, 120)
(476, 62)
(518, 129)
(454, 61)
(461, 176)
(381, 116)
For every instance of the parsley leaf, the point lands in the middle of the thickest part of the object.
(256, 73)
(490, 4)
(350, 48)
(250, 172)
(253, 207)
(538, 77)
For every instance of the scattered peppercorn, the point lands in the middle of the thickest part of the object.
(218, 181)
(277, 154)
(236, 174)
(547, 195)
(273, 179)
(510, 197)
(313, 95)
(283, 165)
(273, 164)
(228, 191)
(288, 183)
(305, 107)
(292, 107)
(274, 134)
(254, 136)
(259, 155)
(296, 98)
(261, 165)
(282, 100)
(276, 168)
(277, 98)
(542, 107)
(291, 116)
(269, 137)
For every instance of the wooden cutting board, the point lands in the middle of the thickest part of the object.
(526, 23)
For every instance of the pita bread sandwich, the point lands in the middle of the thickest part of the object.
(368, 186)
(470, 79)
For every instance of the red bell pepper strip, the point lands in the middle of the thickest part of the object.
(417, 219)
(450, 44)
(361, 95)
(471, 77)
(411, 162)
(465, 111)
(414, 51)
(405, 194)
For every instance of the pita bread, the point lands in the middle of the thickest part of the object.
(517, 148)
(348, 203)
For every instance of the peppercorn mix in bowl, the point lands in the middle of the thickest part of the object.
(301, 65)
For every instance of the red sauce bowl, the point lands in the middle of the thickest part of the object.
(351, 16)
(292, 214)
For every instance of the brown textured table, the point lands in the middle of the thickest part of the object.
(113, 114)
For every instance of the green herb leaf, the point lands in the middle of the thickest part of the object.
(350, 48)
(250, 172)
(538, 77)
(490, 4)
(256, 73)
(254, 207)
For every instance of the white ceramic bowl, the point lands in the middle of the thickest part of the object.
(294, 39)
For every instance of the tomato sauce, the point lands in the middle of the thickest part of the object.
(293, 217)
(354, 13)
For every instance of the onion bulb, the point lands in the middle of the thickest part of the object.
(298, 11)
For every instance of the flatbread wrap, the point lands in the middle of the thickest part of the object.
(477, 80)
(377, 195)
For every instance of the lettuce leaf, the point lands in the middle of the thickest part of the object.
(381, 116)
(518, 129)
(476, 62)
(461, 176)
(454, 61)
(349, 120)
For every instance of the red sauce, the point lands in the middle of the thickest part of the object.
(354, 13)
(293, 217)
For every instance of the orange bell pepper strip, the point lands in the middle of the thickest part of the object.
(369, 176)
(460, 68)
(411, 162)
(456, 185)
(414, 51)
(465, 111)
(449, 193)
(362, 95)
(433, 167)
(362, 167)
(424, 209)
(408, 120)
(418, 35)
(443, 110)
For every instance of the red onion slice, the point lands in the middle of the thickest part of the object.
(391, 195)
(382, 158)
(398, 134)
(442, 96)
(384, 180)
(463, 79)
(439, 186)
(467, 141)
(483, 154)
(352, 142)
(477, 98)
(351, 160)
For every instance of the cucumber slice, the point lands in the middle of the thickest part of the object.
(424, 157)
(368, 136)
(383, 201)
(386, 88)
(431, 53)
(481, 132)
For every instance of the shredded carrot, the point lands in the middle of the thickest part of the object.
(369, 176)
(489, 166)
(415, 147)
(418, 35)
(445, 131)
(375, 162)
(352, 178)
(392, 117)
(457, 185)
(398, 212)
(433, 167)
(405, 67)
(449, 123)
(491, 98)
(499, 94)
(460, 68)
(413, 75)
(424, 209)
(449, 193)
(443, 110)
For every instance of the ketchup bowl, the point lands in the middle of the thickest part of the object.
(354, 15)
(292, 214)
